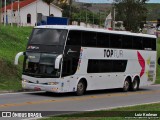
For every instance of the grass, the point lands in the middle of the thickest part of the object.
(12, 41)
(158, 66)
(116, 113)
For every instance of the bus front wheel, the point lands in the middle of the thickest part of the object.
(81, 87)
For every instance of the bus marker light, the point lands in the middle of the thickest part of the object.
(52, 83)
(26, 81)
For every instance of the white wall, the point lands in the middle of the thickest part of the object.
(9, 14)
(31, 9)
(41, 8)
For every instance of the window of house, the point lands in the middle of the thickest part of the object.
(29, 18)
(52, 15)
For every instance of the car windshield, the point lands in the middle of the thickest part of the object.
(43, 36)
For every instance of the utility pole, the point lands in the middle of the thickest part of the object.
(93, 13)
(5, 13)
(86, 16)
(36, 13)
(70, 11)
(18, 15)
(0, 12)
(99, 18)
(93, 18)
(11, 12)
(113, 17)
(86, 10)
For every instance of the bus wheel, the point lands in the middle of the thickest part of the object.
(80, 88)
(135, 84)
(126, 85)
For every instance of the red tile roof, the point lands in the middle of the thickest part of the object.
(21, 4)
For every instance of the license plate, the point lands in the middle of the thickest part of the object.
(37, 88)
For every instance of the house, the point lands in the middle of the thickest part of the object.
(28, 10)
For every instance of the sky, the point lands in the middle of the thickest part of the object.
(110, 1)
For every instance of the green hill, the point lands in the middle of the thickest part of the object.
(12, 41)
(153, 11)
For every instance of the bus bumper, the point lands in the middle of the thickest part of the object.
(41, 87)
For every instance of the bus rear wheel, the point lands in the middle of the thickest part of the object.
(135, 84)
(81, 88)
(126, 85)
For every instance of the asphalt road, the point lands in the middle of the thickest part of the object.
(65, 103)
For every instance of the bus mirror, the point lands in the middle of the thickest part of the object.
(57, 62)
(158, 61)
(17, 57)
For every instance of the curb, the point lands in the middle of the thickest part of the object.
(13, 91)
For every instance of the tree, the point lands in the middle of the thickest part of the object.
(49, 3)
(57, 2)
(132, 12)
(67, 7)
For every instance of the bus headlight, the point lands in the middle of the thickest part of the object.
(23, 80)
(52, 83)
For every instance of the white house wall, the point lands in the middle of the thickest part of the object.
(14, 15)
(41, 8)
(31, 9)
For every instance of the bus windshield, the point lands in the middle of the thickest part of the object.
(40, 65)
(48, 36)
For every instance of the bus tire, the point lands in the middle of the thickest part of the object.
(135, 84)
(81, 88)
(126, 85)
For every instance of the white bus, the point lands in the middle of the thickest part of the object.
(77, 59)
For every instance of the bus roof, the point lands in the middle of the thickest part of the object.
(74, 27)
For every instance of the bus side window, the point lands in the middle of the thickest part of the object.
(147, 43)
(137, 43)
(69, 66)
(102, 40)
(74, 65)
(74, 38)
(119, 65)
(89, 39)
(66, 67)
(115, 41)
(126, 42)
(106, 66)
(153, 43)
(93, 66)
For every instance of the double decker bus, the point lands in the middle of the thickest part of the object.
(77, 59)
